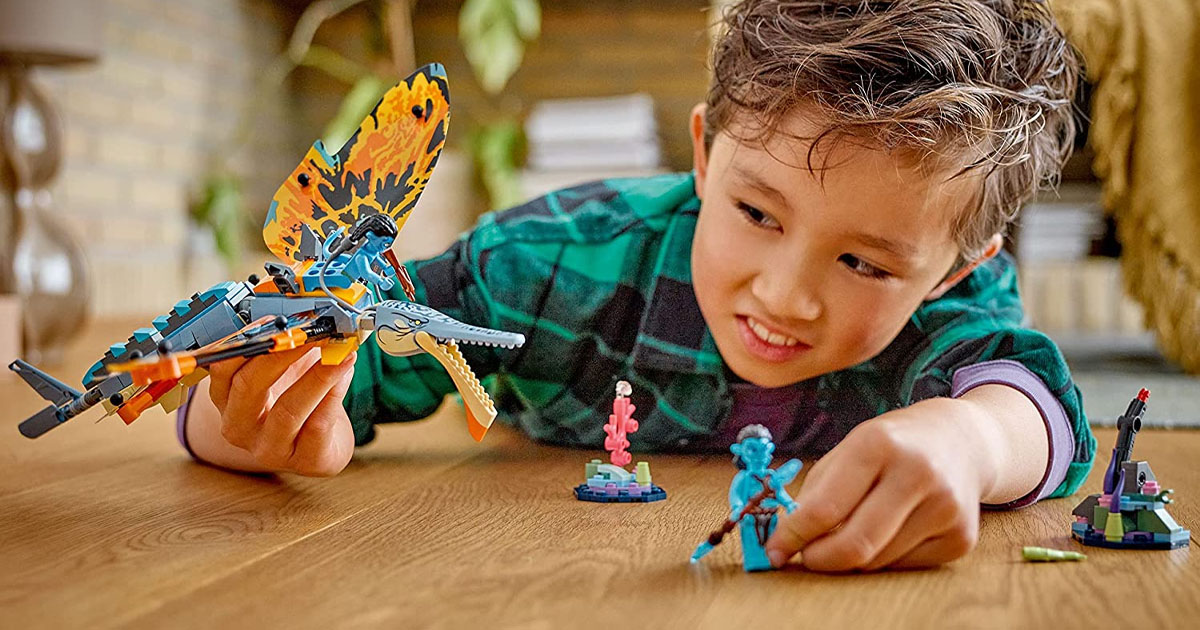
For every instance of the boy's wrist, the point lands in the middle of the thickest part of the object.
(966, 430)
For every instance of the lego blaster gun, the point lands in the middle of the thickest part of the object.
(1128, 426)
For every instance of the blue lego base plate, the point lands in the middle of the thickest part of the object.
(1098, 540)
(598, 495)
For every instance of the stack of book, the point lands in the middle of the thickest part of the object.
(582, 139)
(1061, 227)
(1067, 293)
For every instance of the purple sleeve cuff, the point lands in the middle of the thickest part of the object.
(181, 416)
(1058, 426)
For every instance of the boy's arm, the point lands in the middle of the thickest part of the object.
(904, 489)
(1012, 451)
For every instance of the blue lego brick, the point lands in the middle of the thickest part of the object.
(168, 326)
(585, 493)
(1149, 541)
(1128, 505)
(223, 290)
(334, 278)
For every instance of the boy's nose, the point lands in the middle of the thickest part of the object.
(787, 296)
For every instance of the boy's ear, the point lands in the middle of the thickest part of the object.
(993, 248)
(736, 449)
(699, 152)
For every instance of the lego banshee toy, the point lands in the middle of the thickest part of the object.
(1131, 512)
(755, 496)
(332, 224)
(611, 483)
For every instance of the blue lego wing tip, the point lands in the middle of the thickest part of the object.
(435, 70)
(331, 160)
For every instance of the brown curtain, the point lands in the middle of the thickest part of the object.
(1143, 57)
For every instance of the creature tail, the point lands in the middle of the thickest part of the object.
(65, 401)
(48, 387)
(481, 411)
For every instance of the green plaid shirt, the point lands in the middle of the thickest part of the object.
(598, 279)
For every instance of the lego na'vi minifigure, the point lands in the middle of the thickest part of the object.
(755, 496)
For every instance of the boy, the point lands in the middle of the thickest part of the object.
(833, 258)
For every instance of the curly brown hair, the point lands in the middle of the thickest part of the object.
(965, 84)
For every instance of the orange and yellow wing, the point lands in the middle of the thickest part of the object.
(383, 167)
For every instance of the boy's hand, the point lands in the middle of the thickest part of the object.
(902, 490)
(285, 410)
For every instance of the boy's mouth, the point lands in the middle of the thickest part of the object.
(767, 344)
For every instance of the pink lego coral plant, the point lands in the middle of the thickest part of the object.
(620, 424)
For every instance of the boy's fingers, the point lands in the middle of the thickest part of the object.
(869, 529)
(925, 522)
(249, 392)
(220, 375)
(326, 442)
(276, 439)
(932, 552)
(829, 495)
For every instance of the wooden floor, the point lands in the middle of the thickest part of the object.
(106, 526)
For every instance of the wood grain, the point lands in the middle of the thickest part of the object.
(107, 526)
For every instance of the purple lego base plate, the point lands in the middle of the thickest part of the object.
(585, 493)
(1098, 540)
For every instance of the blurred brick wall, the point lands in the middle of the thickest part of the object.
(141, 126)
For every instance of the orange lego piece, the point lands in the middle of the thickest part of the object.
(289, 339)
(169, 366)
(134, 407)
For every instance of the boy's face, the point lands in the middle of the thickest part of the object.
(797, 277)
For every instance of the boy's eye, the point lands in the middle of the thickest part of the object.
(862, 267)
(756, 217)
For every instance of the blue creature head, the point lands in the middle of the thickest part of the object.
(753, 448)
(397, 322)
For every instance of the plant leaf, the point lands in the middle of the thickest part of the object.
(527, 15)
(493, 35)
(222, 210)
(495, 147)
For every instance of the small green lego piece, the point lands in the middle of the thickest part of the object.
(591, 468)
(1042, 554)
(643, 473)
(1114, 528)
